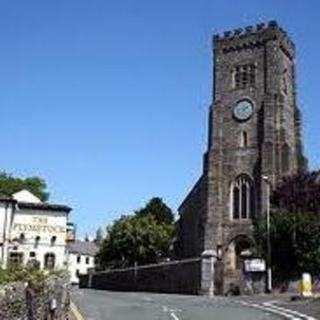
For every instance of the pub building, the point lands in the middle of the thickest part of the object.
(32, 231)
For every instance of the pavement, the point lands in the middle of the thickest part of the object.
(104, 305)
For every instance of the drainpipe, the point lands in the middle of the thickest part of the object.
(4, 235)
(7, 231)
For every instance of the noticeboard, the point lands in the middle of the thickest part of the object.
(255, 265)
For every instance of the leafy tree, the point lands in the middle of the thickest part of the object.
(295, 243)
(158, 210)
(299, 192)
(294, 227)
(10, 184)
(142, 238)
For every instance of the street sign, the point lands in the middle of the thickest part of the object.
(254, 265)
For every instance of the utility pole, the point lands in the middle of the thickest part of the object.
(269, 271)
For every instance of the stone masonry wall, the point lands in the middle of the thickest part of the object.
(190, 242)
(171, 277)
(18, 302)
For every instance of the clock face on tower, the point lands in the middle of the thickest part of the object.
(243, 110)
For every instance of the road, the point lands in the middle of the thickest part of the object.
(104, 305)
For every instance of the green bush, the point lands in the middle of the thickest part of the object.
(33, 277)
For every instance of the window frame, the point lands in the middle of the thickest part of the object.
(18, 259)
(244, 76)
(242, 203)
(52, 264)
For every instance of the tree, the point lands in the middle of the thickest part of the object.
(158, 210)
(10, 184)
(298, 193)
(141, 238)
(295, 227)
(295, 243)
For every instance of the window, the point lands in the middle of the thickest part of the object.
(244, 139)
(78, 259)
(87, 260)
(242, 197)
(53, 240)
(32, 254)
(49, 260)
(22, 238)
(244, 76)
(36, 241)
(16, 258)
(77, 273)
(236, 202)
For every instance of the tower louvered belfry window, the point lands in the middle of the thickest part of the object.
(244, 76)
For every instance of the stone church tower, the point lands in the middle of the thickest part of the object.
(254, 131)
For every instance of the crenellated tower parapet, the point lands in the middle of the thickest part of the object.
(251, 37)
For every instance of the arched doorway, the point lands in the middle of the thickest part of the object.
(238, 249)
(243, 248)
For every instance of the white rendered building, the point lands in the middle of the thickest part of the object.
(32, 231)
(81, 257)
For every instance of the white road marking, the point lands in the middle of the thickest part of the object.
(174, 316)
(270, 307)
(165, 309)
(278, 312)
(299, 314)
(171, 312)
(147, 299)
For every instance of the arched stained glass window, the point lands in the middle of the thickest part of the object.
(243, 201)
(236, 209)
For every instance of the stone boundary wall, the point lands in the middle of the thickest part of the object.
(19, 302)
(170, 277)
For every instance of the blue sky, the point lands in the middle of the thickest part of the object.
(108, 100)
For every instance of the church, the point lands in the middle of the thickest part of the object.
(254, 140)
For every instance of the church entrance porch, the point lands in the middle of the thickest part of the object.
(238, 249)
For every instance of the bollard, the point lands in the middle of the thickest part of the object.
(306, 285)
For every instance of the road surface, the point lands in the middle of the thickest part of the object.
(105, 305)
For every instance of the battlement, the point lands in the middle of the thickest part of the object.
(270, 28)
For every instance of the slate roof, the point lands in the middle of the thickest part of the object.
(44, 206)
(35, 205)
(83, 248)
